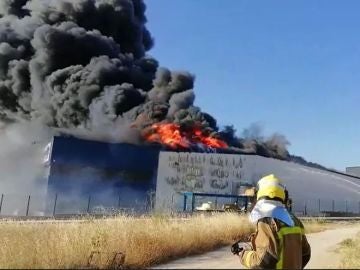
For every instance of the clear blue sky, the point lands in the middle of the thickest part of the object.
(293, 66)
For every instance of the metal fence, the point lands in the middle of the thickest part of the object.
(34, 205)
(64, 204)
(313, 207)
(327, 207)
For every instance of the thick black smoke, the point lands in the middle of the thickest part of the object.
(83, 64)
(253, 141)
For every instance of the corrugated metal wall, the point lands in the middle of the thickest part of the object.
(353, 170)
(107, 172)
(126, 175)
(313, 190)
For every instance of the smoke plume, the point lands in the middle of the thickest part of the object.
(82, 64)
(22, 170)
(81, 67)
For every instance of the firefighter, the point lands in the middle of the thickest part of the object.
(279, 241)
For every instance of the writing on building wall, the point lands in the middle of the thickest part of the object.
(199, 172)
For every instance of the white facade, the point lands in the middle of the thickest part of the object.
(353, 170)
(199, 172)
(219, 173)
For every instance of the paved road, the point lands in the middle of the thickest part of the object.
(322, 244)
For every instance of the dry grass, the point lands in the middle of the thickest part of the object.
(144, 241)
(318, 225)
(349, 250)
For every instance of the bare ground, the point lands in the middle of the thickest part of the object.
(323, 245)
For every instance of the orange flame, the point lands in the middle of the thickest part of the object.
(171, 135)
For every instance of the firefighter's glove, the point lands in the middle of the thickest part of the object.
(239, 247)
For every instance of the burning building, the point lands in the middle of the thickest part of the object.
(88, 174)
(82, 67)
(115, 174)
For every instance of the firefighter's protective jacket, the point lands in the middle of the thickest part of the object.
(277, 245)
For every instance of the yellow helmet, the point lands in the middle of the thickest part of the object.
(270, 186)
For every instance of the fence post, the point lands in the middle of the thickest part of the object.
(28, 206)
(119, 201)
(1, 202)
(359, 207)
(333, 205)
(246, 204)
(55, 202)
(305, 210)
(319, 206)
(185, 201)
(192, 203)
(88, 207)
(152, 199)
(346, 206)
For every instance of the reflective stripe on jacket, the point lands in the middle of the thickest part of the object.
(277, 246)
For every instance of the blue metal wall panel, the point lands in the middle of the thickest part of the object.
(106, 171)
